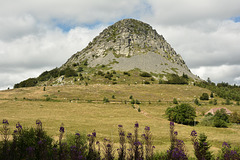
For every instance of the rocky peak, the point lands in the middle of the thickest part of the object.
(134, 40)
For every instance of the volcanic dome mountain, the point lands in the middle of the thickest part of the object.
(130, 44)
(128, 47)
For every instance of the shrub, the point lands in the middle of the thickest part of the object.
(238, 103)
(80, 69)
(221, 114)
(145, 74)
(105, 100)
(175, 79)
(234, 118)
(183, 114)
(220, 119)
(126, 73)
(133, 101)
(211, 95)
(138, 102)
(85, 62)
(197, 102)
(146, 82)
(139, 110)
(207, 120)
(228, 102)
(219, 123)
(114, 83)
(204, 96)
(100, 73)
(214, 102)
(108, 75)
(70, 72)
(114, 72)
(175, 101)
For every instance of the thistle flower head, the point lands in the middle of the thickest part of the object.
(136, 125)
(61, 129)
(18, 126)
(94, 134)
(225, 144)
(176, 133)
(5, 121)
(147, 128)
(194, 133)
(38, 122)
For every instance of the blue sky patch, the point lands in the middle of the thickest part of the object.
(236, 19)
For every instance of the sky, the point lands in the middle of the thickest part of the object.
(36, 36)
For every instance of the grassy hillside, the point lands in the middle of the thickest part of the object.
(81, 108)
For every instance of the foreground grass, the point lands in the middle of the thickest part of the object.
(69, 106)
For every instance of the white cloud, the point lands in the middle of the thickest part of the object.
(30, 55)
(32, 41)
(218, 74)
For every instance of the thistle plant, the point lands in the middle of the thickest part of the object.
(122, 149)
(201, 146)
(177, 149)
(147, 138)
(227, 153)
(62, 146)
(61, 130)
(5, 132)
(92, 152)
(108, 149)
(77, 150)
(136, 148)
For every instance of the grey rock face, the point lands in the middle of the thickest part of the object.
(133, 44)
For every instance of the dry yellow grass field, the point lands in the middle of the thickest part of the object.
(81, 108)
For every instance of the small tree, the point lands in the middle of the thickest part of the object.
(183, 114)
(204, 96)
